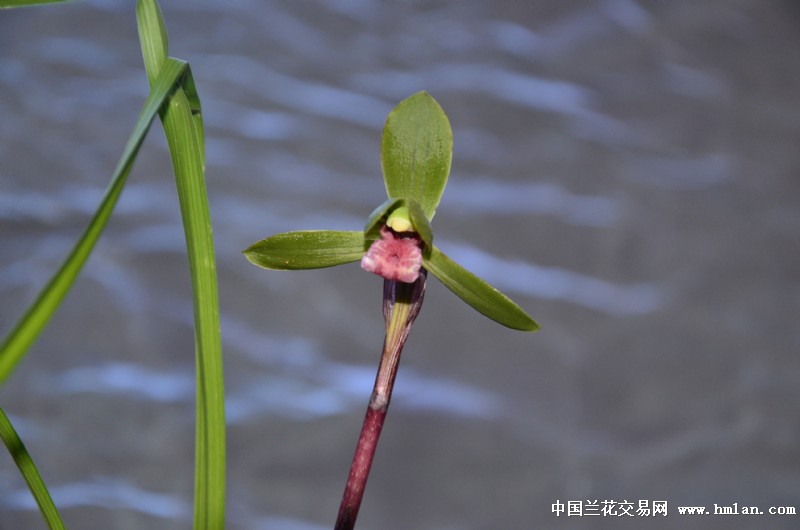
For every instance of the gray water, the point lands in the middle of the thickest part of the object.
(626, 171)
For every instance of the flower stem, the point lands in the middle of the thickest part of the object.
(401, 305)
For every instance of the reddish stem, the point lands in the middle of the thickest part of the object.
(359, 469)
(401, 305)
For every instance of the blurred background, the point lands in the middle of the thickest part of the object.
(625, 170)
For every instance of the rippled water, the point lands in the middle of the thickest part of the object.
(626, 171)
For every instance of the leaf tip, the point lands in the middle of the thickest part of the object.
(531, 327)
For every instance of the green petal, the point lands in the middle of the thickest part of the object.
(378, 217)
(307, 249)
(421, 224)
(416, 150)
(477, 293)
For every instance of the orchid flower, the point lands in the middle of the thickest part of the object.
(397, 244)
(397, 241)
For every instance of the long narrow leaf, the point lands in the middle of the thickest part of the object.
(29, 472)
(188, 167)
(25, 3)
(152, 37)
(477, 293)
(183, 129)
(190, 89)
(38, 314)
(155, 49)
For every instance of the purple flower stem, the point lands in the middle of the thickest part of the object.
(401, 305)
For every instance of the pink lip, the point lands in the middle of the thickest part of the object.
(394, 257)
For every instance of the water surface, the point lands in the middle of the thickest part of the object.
(625, 170)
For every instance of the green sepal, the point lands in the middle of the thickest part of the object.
(308, 249)
(416, 151)
(480, 295)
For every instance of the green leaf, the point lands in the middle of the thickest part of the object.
(155, 49)
(183, 128)
(416, 151)
(24, 3)
(30, 473)
(307, 249)
(49, 298)
(152, 36)
(477, 293)
(192, 97)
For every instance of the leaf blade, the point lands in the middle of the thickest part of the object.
(6, 4)
(30, 473)
(477, 293)
(183, 128)
(416, 151)
(307, 249)
(152, 36)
